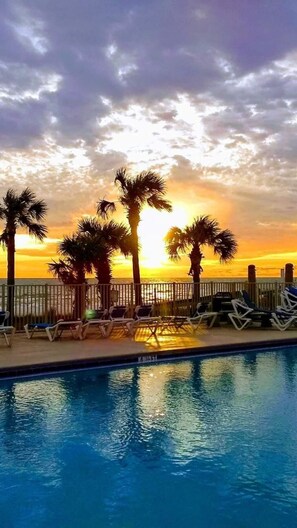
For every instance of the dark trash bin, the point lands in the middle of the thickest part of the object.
(221, 303)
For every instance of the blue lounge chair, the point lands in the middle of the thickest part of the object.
(55, 330)
(248, 301)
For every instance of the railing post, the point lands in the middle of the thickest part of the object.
(83, 300)
(276, 296)
(46, 302)
(211, 294)
(132, 296)
(3, 297)
(173, 299)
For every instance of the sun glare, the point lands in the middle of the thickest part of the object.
(27, 242)
(152, 230)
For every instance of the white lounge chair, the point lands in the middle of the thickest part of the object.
(282, 320)
(55, 331)
(180, 322)
(201, 316)
(143, 318)
(289, 298)
(243, 315)
(97, 319)
(117, 316)
(7, 331)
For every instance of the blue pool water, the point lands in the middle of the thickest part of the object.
(199, 443)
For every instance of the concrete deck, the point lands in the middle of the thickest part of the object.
(39, 354)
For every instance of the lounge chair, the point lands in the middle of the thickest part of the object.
(97, 319)
(289, 298)
(117, 316)
(143, 318)
(55, 331)
(7, 331)
(283, 320)
(202, 315)
(243, 315)
(248, 301)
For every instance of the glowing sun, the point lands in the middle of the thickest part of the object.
(152, 230)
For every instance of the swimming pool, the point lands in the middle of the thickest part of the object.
(203, 442)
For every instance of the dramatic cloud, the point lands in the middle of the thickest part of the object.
(204, 91)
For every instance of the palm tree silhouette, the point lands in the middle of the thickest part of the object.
(76, 251)
(204, 231)
(106, 238)
(20, 211)
(147, 188)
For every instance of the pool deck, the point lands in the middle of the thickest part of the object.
(40, 355)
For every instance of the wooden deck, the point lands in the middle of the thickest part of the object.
(38, 353)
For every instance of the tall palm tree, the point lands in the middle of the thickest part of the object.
(107, 238)
(147, 188)
(20, 211)
(76, 261)
(204, 231)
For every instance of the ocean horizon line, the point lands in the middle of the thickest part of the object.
(129, 280)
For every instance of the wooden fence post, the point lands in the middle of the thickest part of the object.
(289, 279)
(252, 283)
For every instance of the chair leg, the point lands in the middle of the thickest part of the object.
(277, 323)
(239, 322)
(109, 329)
(50, 335)
(9, 337)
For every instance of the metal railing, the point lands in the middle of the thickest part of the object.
(49, 302)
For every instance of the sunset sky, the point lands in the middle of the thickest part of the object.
(202, 91)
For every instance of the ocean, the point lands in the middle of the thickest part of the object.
(155, 280)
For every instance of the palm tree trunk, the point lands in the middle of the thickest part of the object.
(196, 258)
(135, 264)
(196, 292)
(80, 296)
(10, 275)
(103, 273)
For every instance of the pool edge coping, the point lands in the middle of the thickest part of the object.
(139, 358)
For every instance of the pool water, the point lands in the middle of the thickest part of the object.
(195, 443)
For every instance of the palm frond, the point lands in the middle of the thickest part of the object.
(203, 230)
(37, 230)
(10, 198)
(62, 271)
(4, 239)
(104, 207)
(159, 203)
(38, 210)
(176, 243)
(225, 245)
(121, 177)
(27, 196)
(89, 225)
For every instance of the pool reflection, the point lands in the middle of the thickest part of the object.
(227, 419)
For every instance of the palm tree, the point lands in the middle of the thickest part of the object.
(147, 188)
(106, 238)
(204, 231)
(76, 251)
(20, 211)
